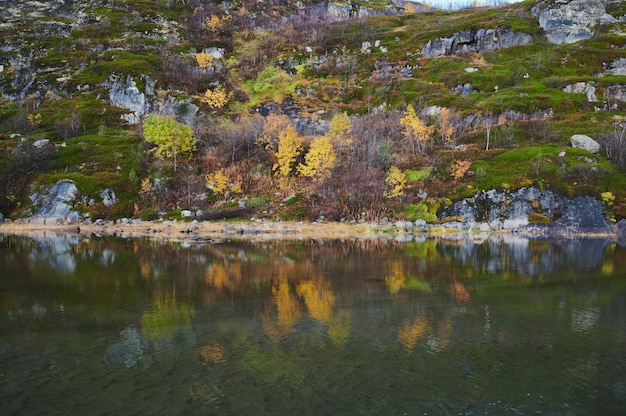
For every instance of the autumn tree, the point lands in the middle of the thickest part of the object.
(320, 159)
(221, 184)
(396, 181)
(216, 98)
(204, 59)
(415, 130)
(340, 132)
(171, 137)
(290, 145)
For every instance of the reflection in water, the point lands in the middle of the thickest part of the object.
(497, 325)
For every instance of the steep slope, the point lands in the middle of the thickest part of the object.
(498, 92)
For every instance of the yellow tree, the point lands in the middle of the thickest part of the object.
(204, 59)
(171, 137)
(340, 131)
(216, 98)
(290, 145)
(396, 180)
(415, 130)
(320, 159)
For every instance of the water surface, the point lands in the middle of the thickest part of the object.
(497, 326)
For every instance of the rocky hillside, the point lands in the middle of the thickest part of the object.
(288, 110)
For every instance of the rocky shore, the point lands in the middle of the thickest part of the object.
(208, 232)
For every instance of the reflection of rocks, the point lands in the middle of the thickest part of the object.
(126, 351)
(56, 252)
(497, 254)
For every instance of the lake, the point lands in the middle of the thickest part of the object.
(470, 325)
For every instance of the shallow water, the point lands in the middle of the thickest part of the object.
(498, 326)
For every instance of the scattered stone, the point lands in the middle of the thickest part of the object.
(41, 143)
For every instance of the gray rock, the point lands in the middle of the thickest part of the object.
(40, 143)
(108, 197)
(614, 93)
(464, 89)
(55, 202)
(617, 67)
(475, 40)
(569, 21)
(125, 94)
(510, 210)
(582, 88)
(581, 141)
(404, 226)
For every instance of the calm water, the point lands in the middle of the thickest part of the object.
(108, 326)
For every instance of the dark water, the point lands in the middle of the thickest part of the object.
(107, 326)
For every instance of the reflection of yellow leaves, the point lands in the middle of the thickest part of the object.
(339, 328)
(608, 267)
(166, 318)
(200, 391)
(287, 305)
(410, 333)
(212, 354)
(216, 276)
(319, 299)
(144, 269)
(459, 292)
(396, 279)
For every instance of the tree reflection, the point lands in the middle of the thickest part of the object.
(287, 309)
(166, 318)
(411, 332)
(319, 299)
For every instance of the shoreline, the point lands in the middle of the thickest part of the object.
(203, 232)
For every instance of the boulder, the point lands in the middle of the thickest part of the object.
(41, 143)
(108, 197)
(581, 141)
(55, 203)
(569, 21)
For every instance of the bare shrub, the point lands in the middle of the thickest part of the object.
(69, 127)
(614, 145)
(375, 138)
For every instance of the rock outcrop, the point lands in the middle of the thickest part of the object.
(55, 203)
(614, 93)
(476, 40)
(582, 88)
(532, 211)
(125, 93)
(569, 21)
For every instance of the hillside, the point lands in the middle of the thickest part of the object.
(282, 110)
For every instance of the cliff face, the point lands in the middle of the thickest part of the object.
(479, 40)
